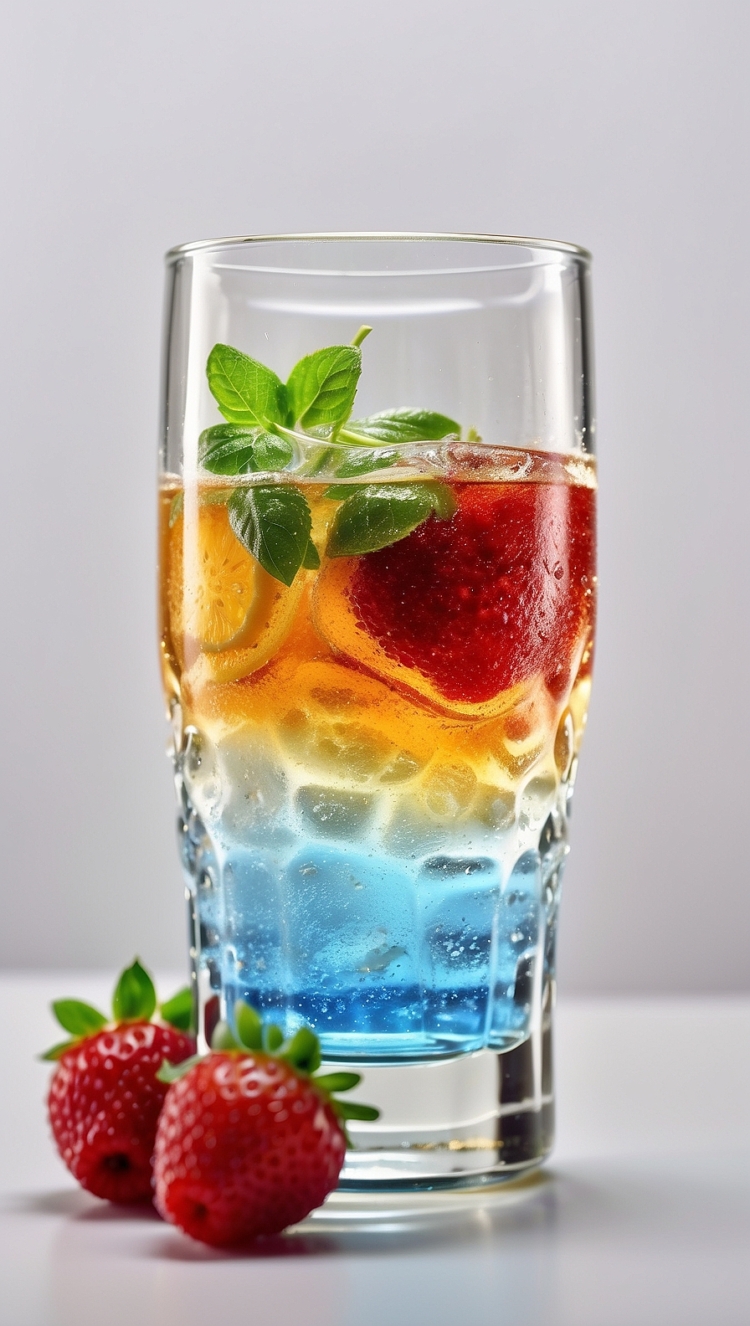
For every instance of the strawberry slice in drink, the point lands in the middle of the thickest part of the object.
(465, 610)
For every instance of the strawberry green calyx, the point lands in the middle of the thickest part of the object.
(134, 1000)
(302, 1052)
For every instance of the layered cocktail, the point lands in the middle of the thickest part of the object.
(377, 636)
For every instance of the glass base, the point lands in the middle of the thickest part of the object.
(468, 1121)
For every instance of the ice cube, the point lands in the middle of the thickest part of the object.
(330, 812)
(448, 790)
(253, 785)
(335, 748)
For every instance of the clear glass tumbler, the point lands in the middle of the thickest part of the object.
(377, 597)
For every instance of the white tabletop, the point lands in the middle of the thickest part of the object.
(642, 1218)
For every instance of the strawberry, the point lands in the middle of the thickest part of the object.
(249, 1141)
(105, 1098)
(497, 593)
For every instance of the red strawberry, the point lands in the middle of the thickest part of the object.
(105, 1098)
(248, 1142)
(497, 593)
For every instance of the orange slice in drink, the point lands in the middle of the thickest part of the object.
(227, 614)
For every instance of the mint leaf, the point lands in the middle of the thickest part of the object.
(178, 1011)
(364, 462)
(78, 1018)
(246, 392)
(232, 449)
(274, 525)
(134, 999)
(405, 425)
(377, 515)
(322, 386)
(311, 559)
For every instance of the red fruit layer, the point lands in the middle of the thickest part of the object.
(244, 1148)
(500, 592)
(104, 1104)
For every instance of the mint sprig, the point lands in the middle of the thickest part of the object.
(265, 417)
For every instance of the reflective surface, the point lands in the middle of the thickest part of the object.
(644, 1219)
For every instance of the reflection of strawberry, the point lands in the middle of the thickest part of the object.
(105, 1098)
(499, 592)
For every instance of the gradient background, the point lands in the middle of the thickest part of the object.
(129, 127)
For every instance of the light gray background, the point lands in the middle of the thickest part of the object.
(127, 127)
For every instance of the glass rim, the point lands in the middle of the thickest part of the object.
(179, 251)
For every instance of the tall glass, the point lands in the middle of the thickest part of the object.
(377, 596)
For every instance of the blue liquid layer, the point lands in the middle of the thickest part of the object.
(385, 957)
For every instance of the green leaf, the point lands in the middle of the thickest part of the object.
(246, 392)
(311, 559)
(178, 1011)
(273, 1038)
(377, 515)
(349, 1109)
(338, 1081)
(223, 1038)
(274, 525)
(322, 386)
(57, 1051)
(231, 449)
(405, 425)
(364, 462)
(303, 1051)
(134, 999)
(249, 1026)
(173, 1072)
(78, 1018)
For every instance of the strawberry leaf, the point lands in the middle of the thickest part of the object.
(78, 1018)
(178, 1011)
(337, 1081)
(350, 1109)
(57, 1051)
(245, 391)
(134, 999)
(273, 1038)
(303, 1051)
(249, 1026)
(223, 1038)
(173, 1072)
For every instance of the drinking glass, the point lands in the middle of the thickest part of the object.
(377, 601)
